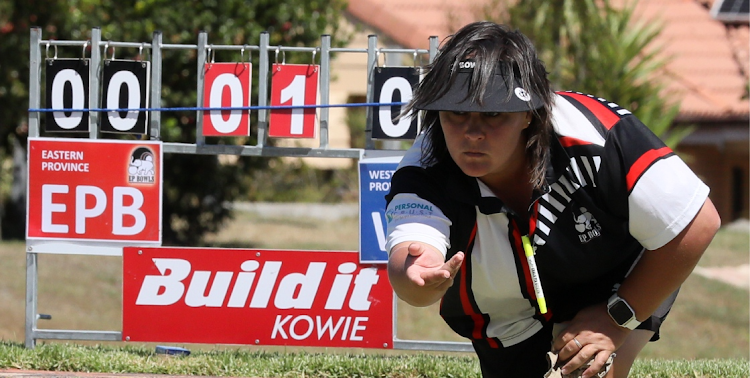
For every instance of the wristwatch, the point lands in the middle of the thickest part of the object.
(621, 312)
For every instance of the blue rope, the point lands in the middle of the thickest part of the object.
(199, 108)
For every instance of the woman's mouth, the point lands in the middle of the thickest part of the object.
(473, 154)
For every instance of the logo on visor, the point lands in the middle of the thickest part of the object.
(522, 94)
(469, 64)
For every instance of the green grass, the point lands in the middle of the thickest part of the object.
(132, 359)
(708, 320)
(707, 333)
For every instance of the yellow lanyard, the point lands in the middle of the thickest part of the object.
(529, 252)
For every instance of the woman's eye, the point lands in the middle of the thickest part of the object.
(491, 114)
(459, 113)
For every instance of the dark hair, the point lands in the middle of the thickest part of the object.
(492, 46)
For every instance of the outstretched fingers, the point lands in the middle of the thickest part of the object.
(422, 262)
(454, 264)
(442, 278)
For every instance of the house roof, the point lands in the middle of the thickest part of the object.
(708, 63)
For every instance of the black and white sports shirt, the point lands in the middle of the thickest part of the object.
(612, 189)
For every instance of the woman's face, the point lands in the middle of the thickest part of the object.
(489, 146)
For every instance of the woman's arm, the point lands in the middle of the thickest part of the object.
(419, 273)
(654, 277)
(660, 272)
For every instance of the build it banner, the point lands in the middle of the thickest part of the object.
(255, 297)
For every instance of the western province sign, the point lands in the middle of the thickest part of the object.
(374, 183)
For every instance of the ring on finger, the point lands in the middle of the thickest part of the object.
(578, 343)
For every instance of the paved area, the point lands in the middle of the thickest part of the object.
(734, 275)
(50, 374)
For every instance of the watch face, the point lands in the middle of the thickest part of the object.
(620, 312)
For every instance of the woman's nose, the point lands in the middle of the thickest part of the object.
(473, 127)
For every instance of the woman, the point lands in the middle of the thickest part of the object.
(613, 219)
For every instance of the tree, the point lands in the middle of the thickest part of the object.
(195, 187)
(594, 47)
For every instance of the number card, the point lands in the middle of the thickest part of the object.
(125, 85)
(293, 85)
(67, 88)
(393, 84)
(227, 85)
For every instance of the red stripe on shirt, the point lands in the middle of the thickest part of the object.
(643, 162)
(466, 304)
(606, 116)
(477, 318)
(569, 142)
(533, 218)
(471, 238)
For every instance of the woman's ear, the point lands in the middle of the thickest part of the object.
(528, 118)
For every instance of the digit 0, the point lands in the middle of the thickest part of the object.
(386, 96)
(67, 76)
(236, 99)
(119, 79)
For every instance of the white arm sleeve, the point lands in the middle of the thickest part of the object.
(411, 218)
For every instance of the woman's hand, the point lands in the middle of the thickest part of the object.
(419, 273)
(598, 336)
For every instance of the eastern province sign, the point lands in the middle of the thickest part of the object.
(256, 297)
(94, 190)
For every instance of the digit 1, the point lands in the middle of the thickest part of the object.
(295, 91)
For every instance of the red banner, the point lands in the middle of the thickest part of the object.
(256, 297)
(226, 85)
(293, 85)
(94, 190)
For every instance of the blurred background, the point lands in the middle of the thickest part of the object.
(680, 65)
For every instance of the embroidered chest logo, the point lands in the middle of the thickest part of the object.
(587, 226)
(580, 173)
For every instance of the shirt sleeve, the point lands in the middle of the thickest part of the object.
(650, 185)
(664, 201)
(411, 218)
(413, 211)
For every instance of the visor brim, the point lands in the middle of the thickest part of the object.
(498, 97)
